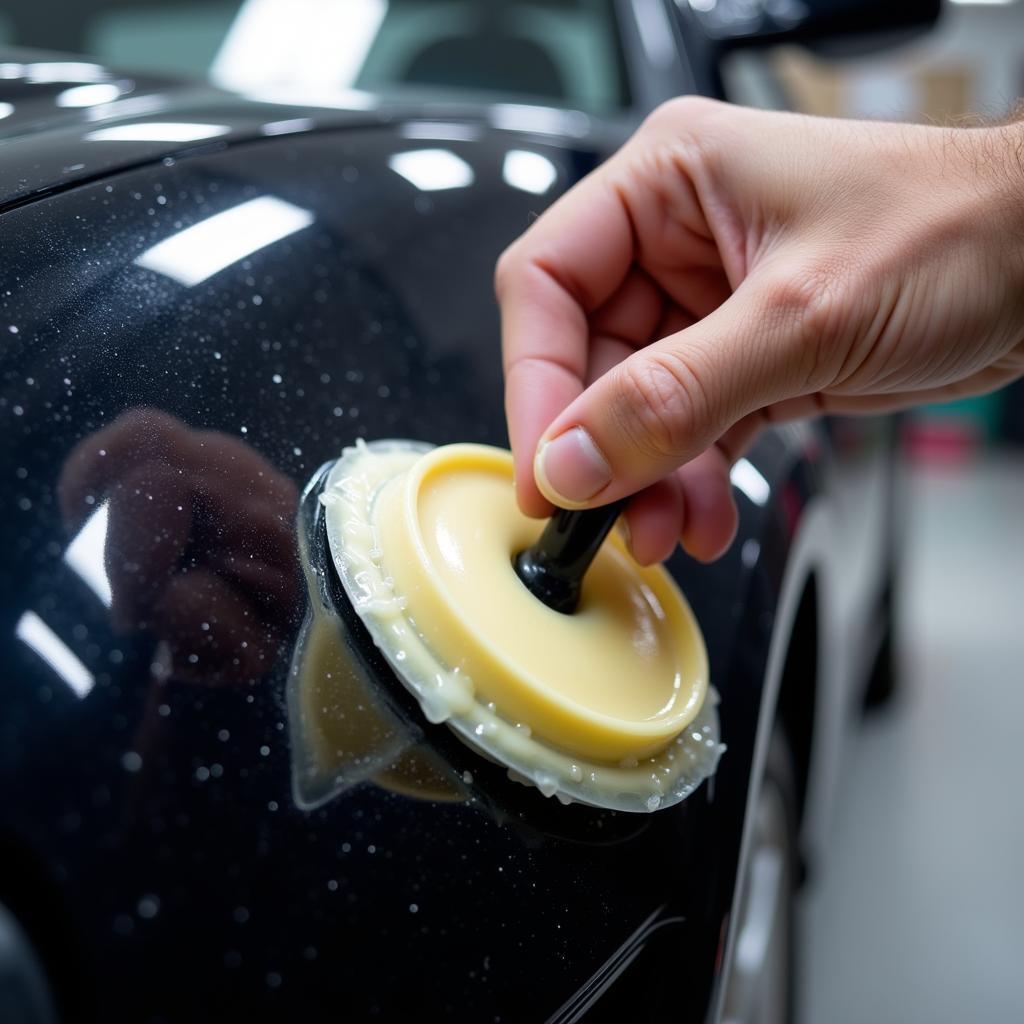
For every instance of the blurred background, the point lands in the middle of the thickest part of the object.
(917, 913)
(916, 917)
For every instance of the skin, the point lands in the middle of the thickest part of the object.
(729, 268)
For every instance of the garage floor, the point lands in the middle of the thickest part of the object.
(918, 914)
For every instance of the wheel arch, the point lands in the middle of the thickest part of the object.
(790, 677)
(797, 702)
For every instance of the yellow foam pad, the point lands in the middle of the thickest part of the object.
(617, 680)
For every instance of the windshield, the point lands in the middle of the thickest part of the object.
(564, 53)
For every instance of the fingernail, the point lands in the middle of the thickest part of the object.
(571, 469)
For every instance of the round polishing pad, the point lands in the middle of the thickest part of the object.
(609, 705)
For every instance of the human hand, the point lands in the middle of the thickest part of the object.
(729, 268)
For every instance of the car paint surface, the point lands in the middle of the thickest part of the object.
(157, 599)
(159, 800)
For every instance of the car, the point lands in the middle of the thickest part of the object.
(218, 804)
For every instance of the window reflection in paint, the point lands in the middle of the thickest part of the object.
(90, 95)
(32, 631)
(528, 171)
(432, 170)
(86, 552)
(158, 131)
(200, 251)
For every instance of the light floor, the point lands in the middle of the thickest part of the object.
(918, 912)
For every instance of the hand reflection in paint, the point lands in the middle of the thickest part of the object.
(200, 546)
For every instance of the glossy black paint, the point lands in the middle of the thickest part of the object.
(49, 148)
(158, 808)
(156, 842)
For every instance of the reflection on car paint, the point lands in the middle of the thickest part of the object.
(432, 170)
(208, 246)
(154, 507)
(342, 730)
(158, 131)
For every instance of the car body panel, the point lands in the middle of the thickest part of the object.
(49, 146)
(153, 830)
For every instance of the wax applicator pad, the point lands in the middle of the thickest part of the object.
(609, 706)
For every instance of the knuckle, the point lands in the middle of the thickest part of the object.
(689, 129)
(504, 270)
(806, 307)
(805, 300)
(660, 402)
(680, 113)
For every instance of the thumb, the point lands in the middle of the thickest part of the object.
(670, 401)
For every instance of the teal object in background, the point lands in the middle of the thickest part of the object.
(181, 39)
(982, 416)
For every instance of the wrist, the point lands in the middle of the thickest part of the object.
(1009, 143)
(995, 167)
(1007, 148)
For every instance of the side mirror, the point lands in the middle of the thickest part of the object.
(842, 24)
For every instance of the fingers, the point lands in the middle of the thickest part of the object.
(570, 263)
(654, 520)
(535, 391)
(601, 270)
(605, 354)
(711, 516)
(694, 505)
(667, 403)
(632, 313)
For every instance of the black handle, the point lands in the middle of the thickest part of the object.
(553, 568)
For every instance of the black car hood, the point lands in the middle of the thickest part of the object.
(185, 342)
(65, 120)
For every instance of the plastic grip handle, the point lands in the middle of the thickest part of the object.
(554, 567)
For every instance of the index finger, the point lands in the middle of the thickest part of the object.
(563, 268)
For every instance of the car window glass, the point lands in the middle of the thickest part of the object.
(558, 52)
